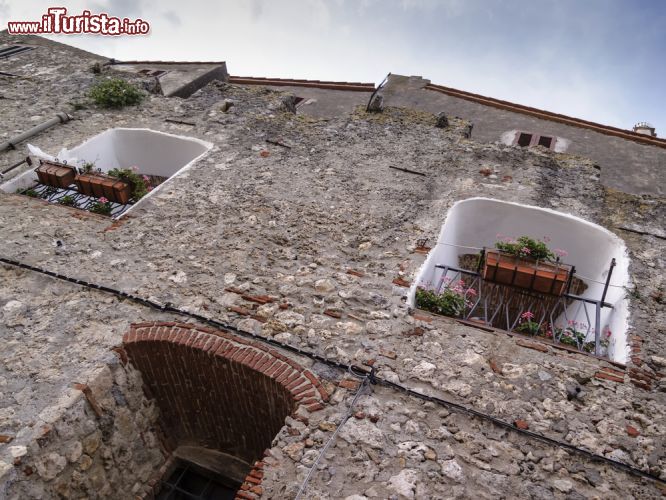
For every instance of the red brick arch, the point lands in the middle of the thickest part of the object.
(217, 390)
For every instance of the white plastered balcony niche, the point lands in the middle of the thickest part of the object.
(476, 222)
(152, 152)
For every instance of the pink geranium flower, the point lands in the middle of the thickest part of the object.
(103, 200)
(527, 315)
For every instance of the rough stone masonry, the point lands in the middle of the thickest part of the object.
(321, 229)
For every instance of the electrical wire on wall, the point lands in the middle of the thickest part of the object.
(356, 370)
(365, 379)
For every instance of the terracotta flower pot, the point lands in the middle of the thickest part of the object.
(103, 186)
(542, 277)
(55, 174)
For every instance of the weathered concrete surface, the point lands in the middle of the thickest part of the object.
(322, 103)
(407, 450)
(290, 224)
(180, 80)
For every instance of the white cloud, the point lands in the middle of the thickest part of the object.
(4, 9)
(173, 18)
(118, 8)
(363, 40)
(451, 8)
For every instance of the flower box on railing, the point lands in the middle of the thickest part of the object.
(104, 186)
(55, 174)
(538, 276)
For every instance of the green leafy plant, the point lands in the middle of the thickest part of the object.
(88, 167)
(527, 325)
(575, 334)
(450, 302)
(115, 93)
(604, 342)
(526, 247)
(67, 200)
(48, 192)
(101, 206)
(571, 335)
(28, 192)
(139, 184)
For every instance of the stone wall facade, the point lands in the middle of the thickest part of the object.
(105, 444)
(320, 227)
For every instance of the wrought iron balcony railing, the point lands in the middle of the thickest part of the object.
(565, 319)
(77, 199)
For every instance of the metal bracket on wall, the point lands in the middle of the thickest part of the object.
(367, 107)
(27, 160)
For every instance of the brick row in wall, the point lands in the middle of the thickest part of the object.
(251, 487)
(639, 373)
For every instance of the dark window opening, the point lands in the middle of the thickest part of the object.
(298, 101)
(190, 482)
(524, 139)
(13, 50)
(545, 141)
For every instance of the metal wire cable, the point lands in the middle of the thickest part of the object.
(330, 440)
(354, 369)
(458, 246)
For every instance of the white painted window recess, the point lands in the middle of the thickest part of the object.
(476, 222)
(152, 152)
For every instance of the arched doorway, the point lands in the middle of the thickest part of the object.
(222, 398)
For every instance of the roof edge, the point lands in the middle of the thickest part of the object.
(350, 86)
(548, 115)
(114, 62)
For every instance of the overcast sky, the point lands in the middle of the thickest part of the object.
(601, 60)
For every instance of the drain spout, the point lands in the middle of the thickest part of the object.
(11, 143)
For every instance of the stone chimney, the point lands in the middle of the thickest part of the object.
(645, 128)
